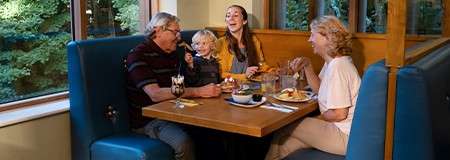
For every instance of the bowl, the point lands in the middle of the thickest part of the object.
(241, 98)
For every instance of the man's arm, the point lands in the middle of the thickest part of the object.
(158, 94)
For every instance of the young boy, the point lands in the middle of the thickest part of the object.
(204, 65)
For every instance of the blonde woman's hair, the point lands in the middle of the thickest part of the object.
(205, 34)
(161, 19)
(335, 32)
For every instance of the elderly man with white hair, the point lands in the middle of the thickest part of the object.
(150, 66)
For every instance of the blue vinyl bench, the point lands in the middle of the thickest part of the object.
(421, 129)
(99, 117)
(422, 116)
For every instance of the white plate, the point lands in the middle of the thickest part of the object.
(250, 104)
(308, 97)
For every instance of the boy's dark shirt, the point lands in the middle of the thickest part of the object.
(205, 71)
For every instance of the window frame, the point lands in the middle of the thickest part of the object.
(34, 101)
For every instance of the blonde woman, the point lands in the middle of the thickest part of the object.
(337, 87)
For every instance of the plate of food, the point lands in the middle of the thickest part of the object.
(258, 78)
(227, 85)
(293, 95)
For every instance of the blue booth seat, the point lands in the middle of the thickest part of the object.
(99, 117)
(422, 115)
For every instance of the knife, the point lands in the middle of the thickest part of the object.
(284, 106)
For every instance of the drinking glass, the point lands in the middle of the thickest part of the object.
(288, 81)
(177, 89)
(268, 83)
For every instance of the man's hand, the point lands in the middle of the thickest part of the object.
(209, 90)
(189, 59)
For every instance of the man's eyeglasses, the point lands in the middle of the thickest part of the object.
(175, 32)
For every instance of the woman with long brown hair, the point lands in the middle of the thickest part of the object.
(240, 54)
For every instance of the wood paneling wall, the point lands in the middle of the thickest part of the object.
(279, 46)
(446, 18)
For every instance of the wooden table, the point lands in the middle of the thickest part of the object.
(216, 113)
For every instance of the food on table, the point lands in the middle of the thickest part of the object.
(257, 97)
(292, 93)
(241, 96)
(256, 78)
(228, 84)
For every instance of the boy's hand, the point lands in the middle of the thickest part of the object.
(189, 59)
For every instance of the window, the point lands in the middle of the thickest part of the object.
(338, 8)
(424, 17)
(290, 14)
(294, 14)
(110, 18)
(373, 16)
(33, 38)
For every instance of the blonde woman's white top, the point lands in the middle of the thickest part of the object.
(339, 88)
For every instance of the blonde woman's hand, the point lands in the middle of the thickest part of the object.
(300, 63)
(189, 59)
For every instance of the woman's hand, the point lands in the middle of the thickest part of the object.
(300, 63)
(334, 115)
(251, 71)
(189, 59)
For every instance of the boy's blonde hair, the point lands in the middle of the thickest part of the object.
(208, 35)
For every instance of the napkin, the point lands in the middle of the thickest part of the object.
(187, 102)
(285, 110)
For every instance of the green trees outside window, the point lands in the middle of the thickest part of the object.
(375, 17)
(297, 15)
(33, 38)
(110, 18)
(339, 8)
(424, 16)
(297, 12)
(429, 17)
